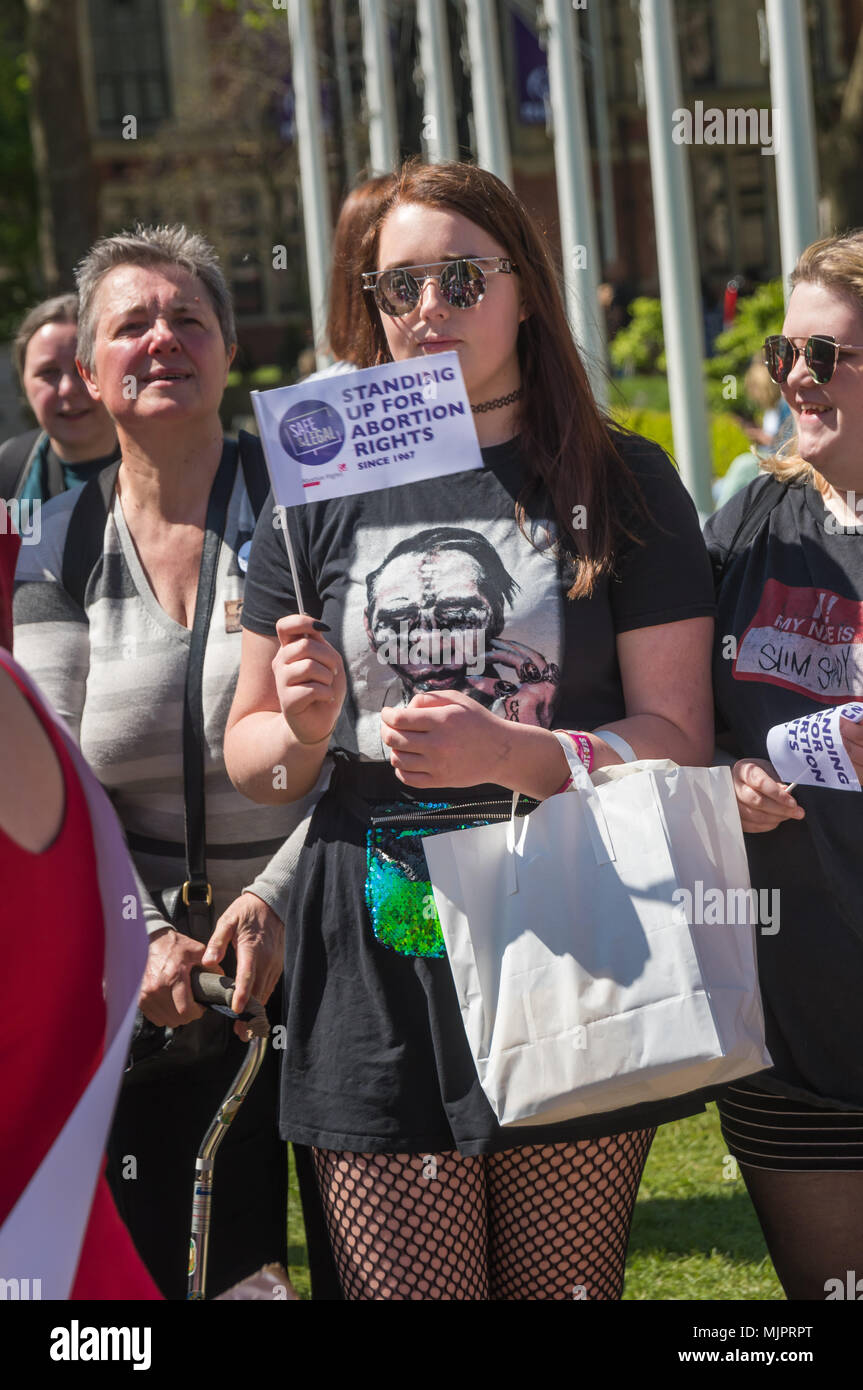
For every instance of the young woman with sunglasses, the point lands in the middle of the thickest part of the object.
(792, 600)
(573, 560)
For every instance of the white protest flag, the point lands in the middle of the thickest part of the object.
(810, 750)
(360, 431)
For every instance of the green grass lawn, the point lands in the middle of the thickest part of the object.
(695, 1234)
(297, 1263)
(638, 392)
(640, 403)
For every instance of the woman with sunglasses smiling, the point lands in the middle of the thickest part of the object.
(572, 562)
(788, 644)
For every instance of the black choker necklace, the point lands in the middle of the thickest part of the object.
(500, 400)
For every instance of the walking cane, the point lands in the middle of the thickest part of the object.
(217, 992)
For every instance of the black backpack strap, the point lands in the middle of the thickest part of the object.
(769, 496)
(85, 537)
(16, 455)
(255, 473)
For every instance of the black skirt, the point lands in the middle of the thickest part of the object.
(376, 1059)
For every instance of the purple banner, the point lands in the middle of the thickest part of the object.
(532, 74)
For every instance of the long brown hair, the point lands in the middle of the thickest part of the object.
(357, 211)
(566, 442)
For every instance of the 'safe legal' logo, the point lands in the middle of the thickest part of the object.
(312, 432)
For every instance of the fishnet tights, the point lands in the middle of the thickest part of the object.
(540, 1222)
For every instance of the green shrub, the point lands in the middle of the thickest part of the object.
(727, 439)
(638, 392)
(639, 346)
(260, 378)
(653, 424)
(758, 315)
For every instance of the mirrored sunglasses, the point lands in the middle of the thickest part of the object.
(462, 283)
(820, 353)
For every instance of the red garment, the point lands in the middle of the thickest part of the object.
(10, 544)
(52, 1025)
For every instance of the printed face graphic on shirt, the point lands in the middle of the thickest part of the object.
(443, 611)
(434, 607)
(805, 639)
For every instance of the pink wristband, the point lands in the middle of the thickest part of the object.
(584, 749)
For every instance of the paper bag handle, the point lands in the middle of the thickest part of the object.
(600, 835)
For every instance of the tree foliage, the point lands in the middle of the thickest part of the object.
(640, 345)
(758, 315)
(19, 259)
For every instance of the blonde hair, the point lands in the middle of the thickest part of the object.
(759, 385)
(836, 262)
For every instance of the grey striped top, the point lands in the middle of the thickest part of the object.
(115, 670)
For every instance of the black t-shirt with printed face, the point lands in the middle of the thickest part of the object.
(433, 586)
(789, 641)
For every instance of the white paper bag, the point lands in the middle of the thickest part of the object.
(582, 985)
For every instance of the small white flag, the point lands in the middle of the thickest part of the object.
(361, 431)
(810, 750)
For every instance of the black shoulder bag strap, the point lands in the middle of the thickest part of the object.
(85, 536)
(255, 473)
(197, 895)
(16, 455)
(751, 522)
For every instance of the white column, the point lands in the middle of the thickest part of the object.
(317, 223)
(380, 97)
(438, 133)
(579, 248)
(793, 119)
(603, 137)
(343, 78)
(489, 110)
(675, 245)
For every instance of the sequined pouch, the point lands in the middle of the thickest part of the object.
(398, 891)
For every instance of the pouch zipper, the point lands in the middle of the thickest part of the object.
(455, 813)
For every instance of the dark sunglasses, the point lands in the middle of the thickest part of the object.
(820, 353)
(462, 283)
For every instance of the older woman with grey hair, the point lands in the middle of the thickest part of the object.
(114, 648)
